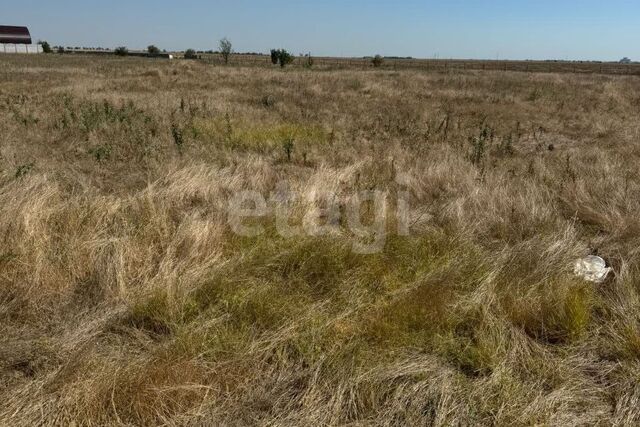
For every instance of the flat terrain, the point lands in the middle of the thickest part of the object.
(584, 67)
(394, 63)
(127, 298)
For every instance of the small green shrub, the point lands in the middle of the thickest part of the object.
(23, 170)
(287, 145)
(281, 56)
(121, 51)
(285, 58)
(103, 152)
(46, 47)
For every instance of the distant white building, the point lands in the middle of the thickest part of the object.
(20, 48)
(17, 40)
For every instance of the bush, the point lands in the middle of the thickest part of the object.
(226, 49)
(121, 51)
(60, 49)
(153, 50)
(46, 47)
(275, 54)
(287, 145)
(281, 56)
(285, 58)
(190, 54)
(377, 61)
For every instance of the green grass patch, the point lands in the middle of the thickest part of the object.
(258, 137)
(555, 311)
(326, 302)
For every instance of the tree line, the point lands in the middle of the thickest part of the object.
(225, 48)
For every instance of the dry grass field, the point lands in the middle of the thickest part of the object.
(127, 299)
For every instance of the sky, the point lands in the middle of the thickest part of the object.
(465, 29)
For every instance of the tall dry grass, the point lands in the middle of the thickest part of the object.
(126, 299)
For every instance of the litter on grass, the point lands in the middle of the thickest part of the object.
(593, 269)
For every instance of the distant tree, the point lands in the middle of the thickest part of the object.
(46, 47)
(121, 51)
(226, 49)
(153, 50)
(60, 49)
(377, 61)
(285, 58)
(275, 55)
(190, 54)
(281, 56)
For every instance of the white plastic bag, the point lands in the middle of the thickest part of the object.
(592, 268)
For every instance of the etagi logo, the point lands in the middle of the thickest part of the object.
(324, 213)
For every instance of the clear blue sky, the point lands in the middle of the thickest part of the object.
(516, 29)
